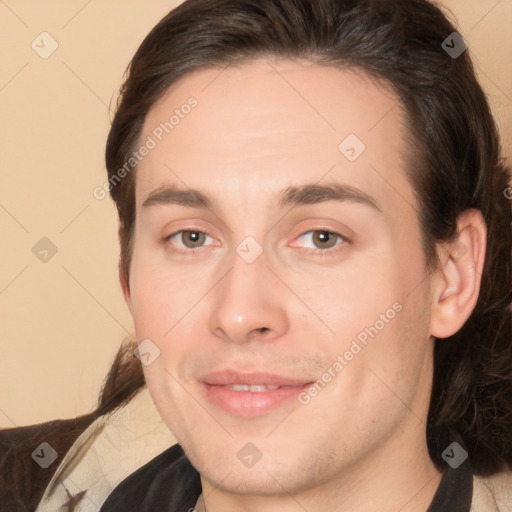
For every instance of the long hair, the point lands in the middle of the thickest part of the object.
(454, 163)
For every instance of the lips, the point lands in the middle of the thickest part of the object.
(229, 378)
(250, 394)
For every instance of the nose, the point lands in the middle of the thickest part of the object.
(249, 303)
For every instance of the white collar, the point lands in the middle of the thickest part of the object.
(109, 450)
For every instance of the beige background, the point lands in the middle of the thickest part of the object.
(62, 321)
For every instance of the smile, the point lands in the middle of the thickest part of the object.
(251, 394)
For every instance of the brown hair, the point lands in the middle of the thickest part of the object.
(456, 163)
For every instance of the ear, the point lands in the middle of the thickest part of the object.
(456, 285)
(123, 279)
(125, 287)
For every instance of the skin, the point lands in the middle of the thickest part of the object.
(257, 129)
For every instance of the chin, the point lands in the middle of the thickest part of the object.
(268, 477)
(250, 482)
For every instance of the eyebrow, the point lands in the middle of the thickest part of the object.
(292, 196)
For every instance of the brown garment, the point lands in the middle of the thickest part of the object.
(22, 480)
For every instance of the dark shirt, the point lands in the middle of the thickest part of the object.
(169, 483)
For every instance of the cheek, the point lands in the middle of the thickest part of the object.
(152, 296)
(355, 300)
(398, 353)
(167, 309)
(380, 314)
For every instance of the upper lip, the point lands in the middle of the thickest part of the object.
(230, 377)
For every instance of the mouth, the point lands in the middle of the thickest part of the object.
(250, 394)
(258, 388)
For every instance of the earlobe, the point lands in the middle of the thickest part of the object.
(458, 277)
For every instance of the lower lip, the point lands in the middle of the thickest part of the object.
(251, 404)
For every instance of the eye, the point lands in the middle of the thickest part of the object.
(190, 239)
(326, 241)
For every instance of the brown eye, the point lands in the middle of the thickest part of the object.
(192, 239)
(323, 243)
(186, 241)
(325, 239)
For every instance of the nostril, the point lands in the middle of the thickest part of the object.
(260, 330)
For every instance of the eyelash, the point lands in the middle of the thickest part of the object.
(320, 253)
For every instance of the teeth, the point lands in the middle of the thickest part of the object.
(252, 389)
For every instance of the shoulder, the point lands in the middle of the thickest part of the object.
(168, 482)
(114, 446)
(22, 479)
(492, 493)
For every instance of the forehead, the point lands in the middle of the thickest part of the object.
(275, 122)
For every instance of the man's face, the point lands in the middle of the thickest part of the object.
(257, 292)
